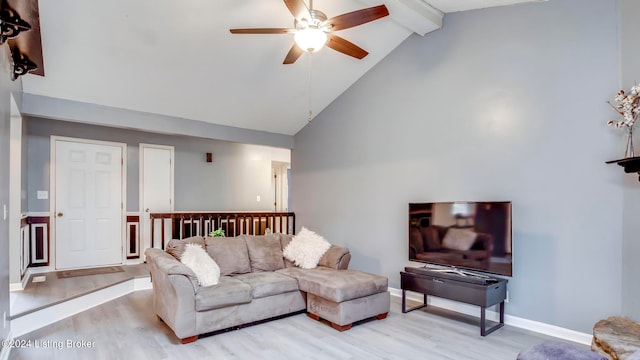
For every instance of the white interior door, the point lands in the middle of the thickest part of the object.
(88, 204)
(156, 192)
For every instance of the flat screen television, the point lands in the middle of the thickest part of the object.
(471, 235)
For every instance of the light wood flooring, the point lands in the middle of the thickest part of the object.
(38, 295)
(127, 328)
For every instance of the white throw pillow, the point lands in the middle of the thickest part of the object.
(459, 239)
(197, 259)
(306, 249)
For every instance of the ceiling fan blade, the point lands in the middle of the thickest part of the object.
(357, 17)
(293, 54)
(298, 9)
(346, 47)
(263, 31)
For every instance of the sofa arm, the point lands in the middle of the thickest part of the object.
(174, 291)
(168, 264)
(337, 257)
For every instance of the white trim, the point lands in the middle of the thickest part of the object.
(15, 189)
(39, 319)
(27, 276)
(52, 192)
(531, 325)
(6, 351)
(15, 287)
(137, 260)
(128, 244)
(45, 243)
(25, 248)
(37, 213)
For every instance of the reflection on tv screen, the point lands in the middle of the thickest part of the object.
(467, 235)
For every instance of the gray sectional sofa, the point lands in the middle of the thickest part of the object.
(258, 283)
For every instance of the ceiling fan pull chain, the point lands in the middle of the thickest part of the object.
(310, 88)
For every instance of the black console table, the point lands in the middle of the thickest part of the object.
(481, 291)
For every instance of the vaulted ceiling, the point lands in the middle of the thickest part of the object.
(178, 58)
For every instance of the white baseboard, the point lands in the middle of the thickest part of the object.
(31, 322)
(6, 351)
(536, 326)
(143, 283)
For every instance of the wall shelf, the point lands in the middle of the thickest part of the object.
(630, 165)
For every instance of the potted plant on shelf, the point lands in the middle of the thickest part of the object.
(628, 106)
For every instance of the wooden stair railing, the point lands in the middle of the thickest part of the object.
(180, 225)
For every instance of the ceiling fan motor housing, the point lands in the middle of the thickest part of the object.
(317, 18)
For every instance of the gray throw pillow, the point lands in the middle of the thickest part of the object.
(230, 253)
(265, 252)
(285, 239)
(176, 247)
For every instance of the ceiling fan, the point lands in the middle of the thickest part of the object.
(312, 29)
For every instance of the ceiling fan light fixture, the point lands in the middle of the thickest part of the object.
(310, 39)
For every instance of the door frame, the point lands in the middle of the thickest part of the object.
(279, 168)
(144, 244)
(52, 193)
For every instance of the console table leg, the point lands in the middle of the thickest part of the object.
(404, 302)
(483, 326)
(483, 322)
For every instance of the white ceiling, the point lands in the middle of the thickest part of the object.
(177, 58)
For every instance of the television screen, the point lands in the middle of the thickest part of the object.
(466, 235)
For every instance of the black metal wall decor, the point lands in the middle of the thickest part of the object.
(11, 24)
(21, 64)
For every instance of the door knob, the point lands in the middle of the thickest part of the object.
(60, 214)
(147, 210)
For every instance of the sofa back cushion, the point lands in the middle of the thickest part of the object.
(176, 247)
(285, 239)
(265, 252)
(230, 253)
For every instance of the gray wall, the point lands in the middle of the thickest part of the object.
(6, 88)
(79, 112)
(238, 174)
(501, 104)
(630, 28)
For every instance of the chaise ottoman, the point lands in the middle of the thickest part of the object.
(342, 297)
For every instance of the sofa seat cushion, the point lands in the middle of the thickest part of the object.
(227, 292)
(265, 284)
(337, 285)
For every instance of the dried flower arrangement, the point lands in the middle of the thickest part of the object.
(627, 105)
